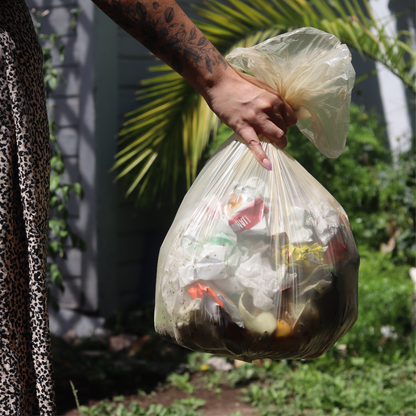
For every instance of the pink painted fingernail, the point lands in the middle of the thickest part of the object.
(267, 164)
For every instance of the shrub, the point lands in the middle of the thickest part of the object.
(386, 302)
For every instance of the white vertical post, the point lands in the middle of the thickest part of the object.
(392, 89)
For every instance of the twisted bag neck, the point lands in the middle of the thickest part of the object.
(312, 71)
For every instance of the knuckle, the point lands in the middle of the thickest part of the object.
(250, 115)
(291, 119)
(282, 142)
(253, 143)
(281, 128)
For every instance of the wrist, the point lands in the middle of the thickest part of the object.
(210, 82)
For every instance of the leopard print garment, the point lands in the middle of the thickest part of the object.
(26, 386)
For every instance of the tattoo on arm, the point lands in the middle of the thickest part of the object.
(163, 36)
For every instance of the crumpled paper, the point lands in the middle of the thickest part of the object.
(300, 230)
(325, 221)
(207, 260)
(259, 279)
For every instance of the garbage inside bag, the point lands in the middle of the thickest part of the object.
(258, 263)
(247, 215)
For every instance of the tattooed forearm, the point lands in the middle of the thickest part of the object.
(161, 29)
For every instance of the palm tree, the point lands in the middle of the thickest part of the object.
(162, 141)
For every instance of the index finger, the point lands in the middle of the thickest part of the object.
(253, 143)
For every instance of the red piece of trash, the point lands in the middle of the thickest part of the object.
(198, 291)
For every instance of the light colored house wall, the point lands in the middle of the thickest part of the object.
(72, 108)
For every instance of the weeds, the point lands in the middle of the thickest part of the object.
(74, 392)
(358, 387)
(245, 374)
(181, 382)
(212, 379)
(184, 407)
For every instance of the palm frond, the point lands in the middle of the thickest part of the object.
(162, 140)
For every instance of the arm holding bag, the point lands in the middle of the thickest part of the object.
(258, 263)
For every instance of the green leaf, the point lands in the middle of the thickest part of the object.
(76, 186)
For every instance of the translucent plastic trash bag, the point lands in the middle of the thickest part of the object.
(258, 263)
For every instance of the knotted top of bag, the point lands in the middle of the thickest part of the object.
(312, 71)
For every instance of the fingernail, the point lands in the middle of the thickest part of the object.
(267, 164)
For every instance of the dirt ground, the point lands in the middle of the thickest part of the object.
(123, 365)
(222, 403)
(128, 358)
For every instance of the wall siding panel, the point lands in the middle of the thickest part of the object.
(73, 118)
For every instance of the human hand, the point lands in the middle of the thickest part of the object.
(251, 107)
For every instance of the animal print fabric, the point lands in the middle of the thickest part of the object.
(26, 386)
